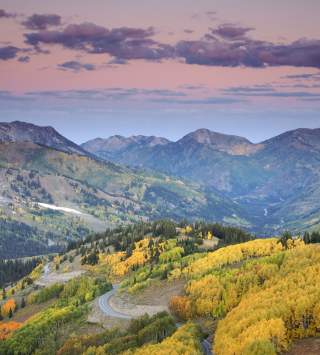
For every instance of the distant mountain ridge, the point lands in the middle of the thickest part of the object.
(266, 187)
(301, 138)
(276, 181)
(43, 176)
(105, 148)
(18, 131)
(219, 141)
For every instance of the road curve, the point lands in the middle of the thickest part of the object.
(104, 305)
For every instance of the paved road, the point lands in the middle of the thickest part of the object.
(105, 307)
(206, 345)
(46, 270)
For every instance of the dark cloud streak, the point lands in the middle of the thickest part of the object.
(250, 53)
(231, 32)
(24, 59)
(76, 66)
(121, 43)
(5, 14)
(268, 91)
(42, 21)
(8, 52)
(205, 101)
(227, 46)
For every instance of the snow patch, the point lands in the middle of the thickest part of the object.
(57, 208)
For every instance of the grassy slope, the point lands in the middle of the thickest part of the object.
(109, 194)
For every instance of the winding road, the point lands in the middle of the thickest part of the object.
(106, 308)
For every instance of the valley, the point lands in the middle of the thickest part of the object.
(104, 194)
(146, 257)
(60, 191)
(279, 175)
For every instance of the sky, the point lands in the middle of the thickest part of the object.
(98, 68)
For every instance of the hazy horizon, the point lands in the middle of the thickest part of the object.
(90, 137)
(161, 69)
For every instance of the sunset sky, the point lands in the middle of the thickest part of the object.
(103, 67)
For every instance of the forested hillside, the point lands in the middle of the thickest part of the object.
(49, 197)
(52, 191)
(239, 294)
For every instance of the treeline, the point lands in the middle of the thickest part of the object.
(14, 270)
(124, 237)
(313, 237)
(227, 234)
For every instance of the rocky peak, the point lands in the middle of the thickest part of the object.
(18, 131)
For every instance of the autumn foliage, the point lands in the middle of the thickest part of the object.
(120, 265)
(284, 308)
(181, 307)
(233, 254)
(10, 304)
(6, 329)
(186, 340)
(264, 296)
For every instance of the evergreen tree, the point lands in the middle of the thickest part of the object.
(285, 237)
(92, 258)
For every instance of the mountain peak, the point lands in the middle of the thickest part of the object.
(18, 131)
(230, 144)
(300, 138)
(205, 136)
(118, 143)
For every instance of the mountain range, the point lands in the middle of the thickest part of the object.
(275, 182)
(52, 189)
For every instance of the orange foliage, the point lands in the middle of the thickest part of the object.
(10, 304)
(181, 307)
(7, 328)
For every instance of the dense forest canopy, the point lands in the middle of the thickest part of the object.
(223, 272)
(123, 237)
(14, 270)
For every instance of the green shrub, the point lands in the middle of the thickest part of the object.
(46, 294)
